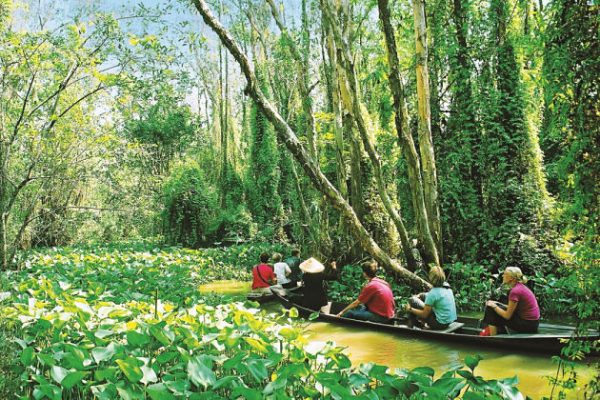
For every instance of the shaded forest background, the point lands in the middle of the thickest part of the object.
(140, 124)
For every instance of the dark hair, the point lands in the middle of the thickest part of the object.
(370, 268)
(276, 257)
(295, 252)
(264, 257)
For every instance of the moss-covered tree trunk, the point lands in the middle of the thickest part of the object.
(430, 190)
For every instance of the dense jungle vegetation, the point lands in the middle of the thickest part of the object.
(149, 148)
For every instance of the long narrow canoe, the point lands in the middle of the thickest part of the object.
(549, 339)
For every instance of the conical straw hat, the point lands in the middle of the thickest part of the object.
(312, 266)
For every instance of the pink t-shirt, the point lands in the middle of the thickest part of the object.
(527, 306)
(378, 298)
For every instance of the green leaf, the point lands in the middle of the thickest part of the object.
(258, 368)
(50, 391)
(450, 386)
(137, 339)
(358, 380)
(313, 316)
(159, 391)
(246, 393)
(178, 387)
(103, 333)
(149, 375)
(158, 331)
(130, 393)
(288, 333)
(73, 379)
(27, 356)
(473, 396)
(472, 361)
(103, 353)
(58, 373)
(424, 371)
(131, 368)
(166, 357)
(199, 373)
(106, 374)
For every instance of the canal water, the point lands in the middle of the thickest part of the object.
(398, 351)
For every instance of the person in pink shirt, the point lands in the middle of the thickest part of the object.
(263, 275)
(522, 314)
(376, 300)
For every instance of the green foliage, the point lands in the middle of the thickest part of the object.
(190, 206)
(569, 135)
(262, 181)
(165, 130)
(82, 331)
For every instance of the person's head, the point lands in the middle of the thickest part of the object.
(369, 268)
(264, 257)
(513, 275)
(276, 257)
(296, 252)
(436, 275)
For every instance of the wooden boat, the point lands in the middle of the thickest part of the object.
(549, 338)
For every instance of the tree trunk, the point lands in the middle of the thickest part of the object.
(352, 103)
(309, 164)
(424, 113)
(430, 252)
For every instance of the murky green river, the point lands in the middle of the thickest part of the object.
(409, 352)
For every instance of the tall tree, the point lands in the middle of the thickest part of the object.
(401, 120)
(430, 190)
(514, 188)
(310, 166)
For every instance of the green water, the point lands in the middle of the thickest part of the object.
(410, 352)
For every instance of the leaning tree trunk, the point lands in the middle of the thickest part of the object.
(408, 146)
(310, 166)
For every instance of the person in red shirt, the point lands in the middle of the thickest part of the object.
(262, 275)
(376, 300)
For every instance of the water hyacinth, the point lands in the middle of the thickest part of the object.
(90, 325)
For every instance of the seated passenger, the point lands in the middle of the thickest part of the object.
(376, 300)
(282, 270)
(294, 263)
(522, 313)
(263, 276)
(313, 286)
(438, 310)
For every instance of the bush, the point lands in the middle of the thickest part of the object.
(190, 206)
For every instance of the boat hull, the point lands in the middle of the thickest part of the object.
(549, 340)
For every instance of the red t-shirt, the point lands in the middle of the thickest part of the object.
(266, 272)
(527, 306)
(378, 298)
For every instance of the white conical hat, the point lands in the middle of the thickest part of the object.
(312, 266)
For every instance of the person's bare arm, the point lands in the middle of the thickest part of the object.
(350, 306)
(506, 314)
(423, 314)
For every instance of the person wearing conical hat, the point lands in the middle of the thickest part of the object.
(313, 277)
(376, 300)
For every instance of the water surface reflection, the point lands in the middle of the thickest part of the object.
(408, 352)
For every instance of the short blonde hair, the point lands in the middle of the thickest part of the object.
(436, 275)
(516, 273)
(277, 257)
